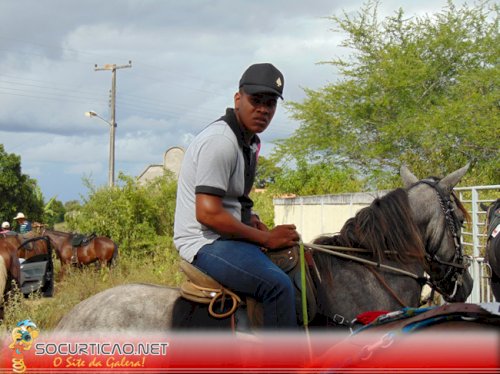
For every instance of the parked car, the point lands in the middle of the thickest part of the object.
(37, 274)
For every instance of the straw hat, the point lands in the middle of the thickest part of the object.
(5, 225)
(19, 216)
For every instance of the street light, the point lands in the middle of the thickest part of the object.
(112, 127)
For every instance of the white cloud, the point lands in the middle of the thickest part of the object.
(80, 169)
(187, 57)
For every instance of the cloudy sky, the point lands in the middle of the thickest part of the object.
(187, 57)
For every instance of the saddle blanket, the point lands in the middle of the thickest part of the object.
(411, 319)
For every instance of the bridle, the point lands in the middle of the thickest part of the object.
(457, 266)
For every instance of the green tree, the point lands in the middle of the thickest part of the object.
(72, 205)
(266, 173)
(423, 91)
(316, 179)
(136, 216)
(53, 212)
(19, 192)
(263, 206)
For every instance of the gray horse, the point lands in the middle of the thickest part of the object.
(404, 235)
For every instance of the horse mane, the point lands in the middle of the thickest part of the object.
(386, 228)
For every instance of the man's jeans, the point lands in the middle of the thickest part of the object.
(244, 268)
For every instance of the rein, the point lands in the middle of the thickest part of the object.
(334, 250)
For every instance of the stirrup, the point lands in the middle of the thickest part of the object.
(202, 288)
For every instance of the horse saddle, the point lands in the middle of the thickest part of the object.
(201, 288)
(80, 240)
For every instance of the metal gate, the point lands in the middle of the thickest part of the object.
(474, 238)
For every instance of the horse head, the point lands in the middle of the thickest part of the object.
(439, 216)
(38, 228)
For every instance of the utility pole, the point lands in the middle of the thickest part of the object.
(112, 123)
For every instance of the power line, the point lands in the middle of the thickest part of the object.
(56, 94)
(51, 98)
(95, 54)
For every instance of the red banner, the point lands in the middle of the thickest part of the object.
(267, 352)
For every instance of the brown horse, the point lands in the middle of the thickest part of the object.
(10, 270)
(29, 245)
(98, 249)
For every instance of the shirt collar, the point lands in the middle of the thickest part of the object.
(232, 121)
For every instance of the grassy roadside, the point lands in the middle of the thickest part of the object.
(79, 284)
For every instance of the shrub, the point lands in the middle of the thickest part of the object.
(132, 214)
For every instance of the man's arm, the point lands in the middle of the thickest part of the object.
(211, 213)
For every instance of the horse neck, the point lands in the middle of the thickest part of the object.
(14, 239)
(58, 237)
(341, 279)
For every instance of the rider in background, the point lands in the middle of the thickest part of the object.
(24, 224)
(215, 228)
(5, 230)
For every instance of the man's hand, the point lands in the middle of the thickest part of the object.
(282, 236)
(257, 223)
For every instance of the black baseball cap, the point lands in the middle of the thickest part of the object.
(262, 78)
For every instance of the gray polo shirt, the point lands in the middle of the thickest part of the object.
(217, 162)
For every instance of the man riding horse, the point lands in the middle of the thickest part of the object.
(214, 226)
(24, 224)
(6, 230)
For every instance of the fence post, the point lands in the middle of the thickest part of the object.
(475, 296)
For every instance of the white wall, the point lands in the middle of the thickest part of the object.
(322, 214)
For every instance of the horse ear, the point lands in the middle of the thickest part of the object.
(452, 179)
(408, 178)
